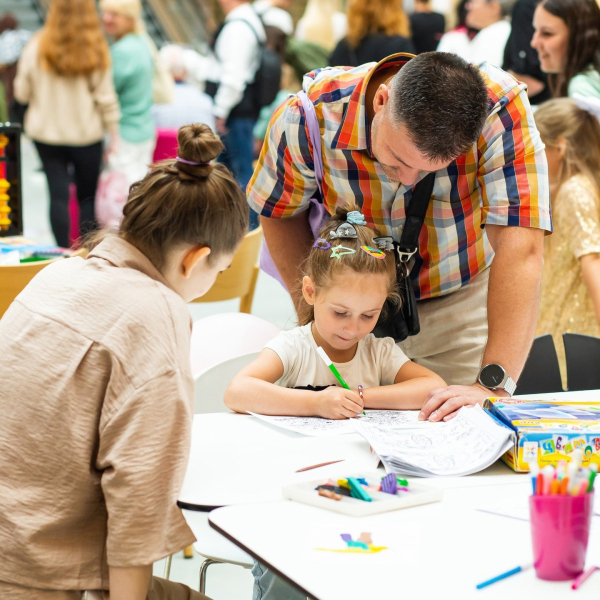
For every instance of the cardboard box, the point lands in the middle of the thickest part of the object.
(547, 432)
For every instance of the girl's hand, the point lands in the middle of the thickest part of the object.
(338, 403)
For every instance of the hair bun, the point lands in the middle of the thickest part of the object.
(197, 144)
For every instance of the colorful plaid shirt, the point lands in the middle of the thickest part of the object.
(501, 180)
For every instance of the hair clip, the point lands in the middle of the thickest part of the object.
(191, 162)
(384, 242)
(373, 252)
(321, 244)
(356, 218)
(337, 251)
(344, 230)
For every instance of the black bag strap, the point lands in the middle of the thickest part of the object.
(261, 44)
(415, 216)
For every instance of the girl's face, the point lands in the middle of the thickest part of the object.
(348, 310)
(551, 39)
(482, 13)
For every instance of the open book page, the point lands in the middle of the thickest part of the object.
(316, 426)
(469, 443)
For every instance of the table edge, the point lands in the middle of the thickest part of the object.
(258, 558)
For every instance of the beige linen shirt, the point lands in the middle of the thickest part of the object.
(68, 111)
(96, 401)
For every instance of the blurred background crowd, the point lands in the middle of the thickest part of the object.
(101, 88)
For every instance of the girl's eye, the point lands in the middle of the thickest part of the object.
(368, 317)
(339, 314)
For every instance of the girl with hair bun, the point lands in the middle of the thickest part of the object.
(348, 275)
(97, 383)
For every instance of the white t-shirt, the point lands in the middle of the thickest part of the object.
(376, 362)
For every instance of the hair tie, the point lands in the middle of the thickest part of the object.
(356, 218)
(191, 162)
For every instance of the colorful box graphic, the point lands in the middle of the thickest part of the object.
(547, 432)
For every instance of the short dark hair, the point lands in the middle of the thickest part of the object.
(443, 102)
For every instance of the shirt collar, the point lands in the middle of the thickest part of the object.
(121, 253)
(355, 131)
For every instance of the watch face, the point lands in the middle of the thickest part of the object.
(492, 376)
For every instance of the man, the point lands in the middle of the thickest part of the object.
(275, 13)
(237, 58)
(383, 127)
(190, 105)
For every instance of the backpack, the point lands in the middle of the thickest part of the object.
(305, 57)
(267, 79)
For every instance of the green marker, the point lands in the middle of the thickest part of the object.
(593, 473)
(332, 368)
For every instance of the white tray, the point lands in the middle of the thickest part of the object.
(307, 494)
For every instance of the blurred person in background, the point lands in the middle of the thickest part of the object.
(571, 274)
(520, 59)
(427, 27)
(12, 42)
(376, 29)
(567, 39)
(323, 23)
(133, 72)
(275, 13)
(490, 19)
(64, 77)
(237, 53)
(190, 105)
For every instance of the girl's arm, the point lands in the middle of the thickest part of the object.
(590, 267)
(129, 583)
(254, 390)
(409, 390)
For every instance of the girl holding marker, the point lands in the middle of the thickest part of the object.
(349, 274)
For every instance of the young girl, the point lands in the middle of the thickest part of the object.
(348, 278)
(571, 276)
(97, 395)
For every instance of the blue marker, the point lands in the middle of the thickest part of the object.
(503, 576)
(534, 469)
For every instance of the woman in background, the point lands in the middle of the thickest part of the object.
(571, 275)
(376, 29)
(133, 72)
(567, 39)
(65, 79)
(322, 23)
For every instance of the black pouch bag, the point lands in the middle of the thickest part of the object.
(399, 322)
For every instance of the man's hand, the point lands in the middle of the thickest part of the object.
(338, 403)
(220, 125)
(444, 403)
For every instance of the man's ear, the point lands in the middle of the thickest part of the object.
(193, 256)
(308, 290)
(382, 95)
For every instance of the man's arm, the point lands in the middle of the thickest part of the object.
(129, 583)
(289, 241)
(513, 306)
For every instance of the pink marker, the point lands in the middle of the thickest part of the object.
(583, 488)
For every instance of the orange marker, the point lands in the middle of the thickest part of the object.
(539, 485)
(564, 485)
(555, 488)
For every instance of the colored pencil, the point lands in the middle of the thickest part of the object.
(583, 577)
(503, 576)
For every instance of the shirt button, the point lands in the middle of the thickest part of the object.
(522, 54)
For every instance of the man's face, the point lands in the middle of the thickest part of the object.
(394, 150)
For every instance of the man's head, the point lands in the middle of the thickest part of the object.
(173, 56)
(429, 114)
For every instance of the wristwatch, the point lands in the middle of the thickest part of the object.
(494, 377)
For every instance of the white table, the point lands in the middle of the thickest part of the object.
(436, 551)
(237, 459)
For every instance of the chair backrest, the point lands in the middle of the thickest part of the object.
(14, 278)
(541, 374)
(226, 335)
(239, 280)
(166, 144)
(212, 383)
(582, 353)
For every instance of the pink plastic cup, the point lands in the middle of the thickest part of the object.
(560, 529)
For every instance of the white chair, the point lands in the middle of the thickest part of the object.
(225, 335)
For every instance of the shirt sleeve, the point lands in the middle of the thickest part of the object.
(583, 85)
(512, 168)
(142, 454)
(284, 179)
(236, 51)
(23, 80)
(581, 218)
(391, 359)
